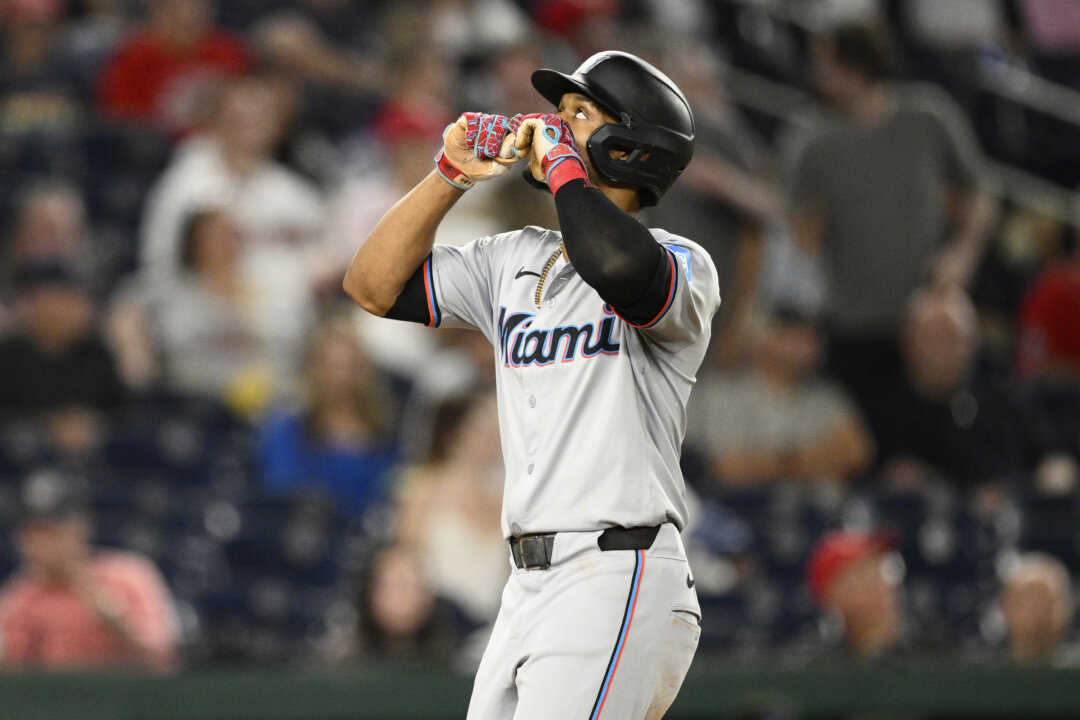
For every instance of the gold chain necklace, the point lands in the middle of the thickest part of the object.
(543, 276)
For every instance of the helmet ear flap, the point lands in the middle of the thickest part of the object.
(642, 156)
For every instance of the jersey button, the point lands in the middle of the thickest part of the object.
(515, 529)
(530, 469)
(551, 302)
(532, 401)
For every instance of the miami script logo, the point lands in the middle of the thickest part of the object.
(521, 346)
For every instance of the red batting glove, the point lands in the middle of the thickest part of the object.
(472, 150)
(554, 158)
(560, 165)
(485, 133)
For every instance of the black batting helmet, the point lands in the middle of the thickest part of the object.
(655, 128)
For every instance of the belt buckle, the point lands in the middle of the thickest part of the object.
(533, 553)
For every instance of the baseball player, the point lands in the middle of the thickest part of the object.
(598, 332)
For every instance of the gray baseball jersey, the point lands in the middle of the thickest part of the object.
(592, 409)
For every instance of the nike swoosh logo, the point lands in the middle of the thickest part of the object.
(522, 272)
(690, 582)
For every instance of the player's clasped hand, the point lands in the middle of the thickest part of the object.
(479, 146)
(549, 144)
(485, 134)
(559, 131)
(476, 147)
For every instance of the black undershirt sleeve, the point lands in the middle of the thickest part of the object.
(655, 297)
(613, 252)
(412, 302)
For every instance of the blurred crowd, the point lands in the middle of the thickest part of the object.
(208, 456)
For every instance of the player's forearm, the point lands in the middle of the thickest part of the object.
(611, 250)
(398, 244)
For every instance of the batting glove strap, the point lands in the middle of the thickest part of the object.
(562, 164)
(484, 134)
(450, 173)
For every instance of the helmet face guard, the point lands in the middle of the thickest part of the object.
(649, 158)
(653, 141)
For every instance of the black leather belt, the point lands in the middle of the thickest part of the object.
(533, 552)
(635, 538)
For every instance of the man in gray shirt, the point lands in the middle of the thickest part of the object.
(885, 187)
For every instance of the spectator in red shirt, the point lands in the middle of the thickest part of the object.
(1048, 330)
(165, 71)
(71, 606)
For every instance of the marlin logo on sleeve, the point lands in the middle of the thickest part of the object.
(685, 259)
(520, 346)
